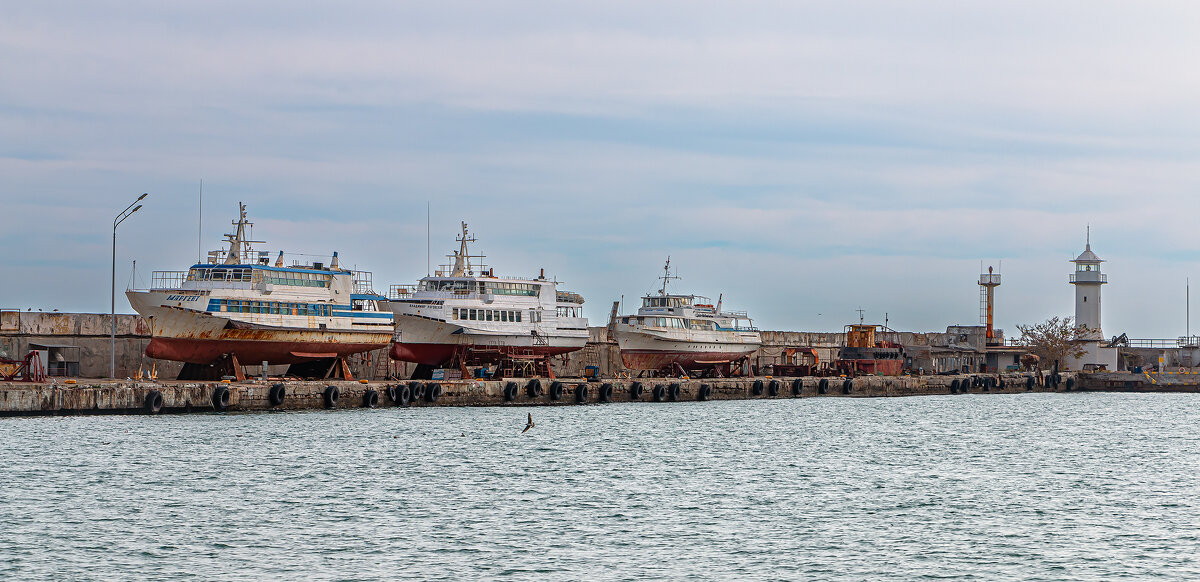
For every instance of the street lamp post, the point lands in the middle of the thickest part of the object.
(112, 362)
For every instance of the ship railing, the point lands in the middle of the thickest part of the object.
(741, 314)
(401, 291)
(364, 283)
(168, 279)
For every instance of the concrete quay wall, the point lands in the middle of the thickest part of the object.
(90, 333)
(129, 397)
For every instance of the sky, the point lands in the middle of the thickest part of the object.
(804, 159)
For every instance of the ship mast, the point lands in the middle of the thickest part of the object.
(462, 263)
(238, 244)
(667, 276)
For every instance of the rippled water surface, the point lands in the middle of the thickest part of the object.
(1028, 486)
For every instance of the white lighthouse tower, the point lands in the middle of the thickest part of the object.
(1088, 281)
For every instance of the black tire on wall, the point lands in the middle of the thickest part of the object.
(556, 390)
(757, 388)
(330, 396)
(370, 399)
(581, 393)
(220, 397)
(659, 392)
(773, 388)
(797, 387)
(154, 402)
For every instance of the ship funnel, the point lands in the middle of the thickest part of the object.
(279, 261)
(334, 263)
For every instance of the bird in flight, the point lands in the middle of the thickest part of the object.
(529, 425)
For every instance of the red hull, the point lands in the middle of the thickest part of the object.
(196, 351)
(873, 367)
(439, 354)
(648, 360)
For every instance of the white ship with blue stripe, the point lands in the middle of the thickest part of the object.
(239, 306)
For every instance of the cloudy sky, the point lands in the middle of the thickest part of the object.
(805, 159)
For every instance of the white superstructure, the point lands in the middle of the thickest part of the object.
(465, 312)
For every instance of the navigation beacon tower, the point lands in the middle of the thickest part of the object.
(1088, 280)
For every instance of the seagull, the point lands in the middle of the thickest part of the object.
(529, 425)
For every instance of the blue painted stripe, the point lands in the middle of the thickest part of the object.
(363, 314)
(270, 268)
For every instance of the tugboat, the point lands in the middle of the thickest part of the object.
(238, 308)
(465, 315)
(864, 356)
(674, 333)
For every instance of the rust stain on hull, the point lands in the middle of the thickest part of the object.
(651, 360)
(438, 354)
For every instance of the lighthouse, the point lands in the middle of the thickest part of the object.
(1088, 280)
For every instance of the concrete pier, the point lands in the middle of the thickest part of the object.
(132, 397)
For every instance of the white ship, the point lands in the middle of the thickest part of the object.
(237, 308)
(465, 313)
(681, 333)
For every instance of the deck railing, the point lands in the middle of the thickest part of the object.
(168, 279)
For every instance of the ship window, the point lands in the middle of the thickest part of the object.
(455, 313)
(472, 315)
(487, 314)
(503, 316)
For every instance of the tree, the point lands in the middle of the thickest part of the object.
(1054, 340)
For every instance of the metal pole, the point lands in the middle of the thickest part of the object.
(112, 288)
(112, 313)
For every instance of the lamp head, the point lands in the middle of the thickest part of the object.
(144, 194)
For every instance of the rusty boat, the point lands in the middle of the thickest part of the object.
(863, 355)
(677, 333)
(238, 308)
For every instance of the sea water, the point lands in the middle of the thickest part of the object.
(985, 487)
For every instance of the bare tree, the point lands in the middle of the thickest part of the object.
(1055, 339)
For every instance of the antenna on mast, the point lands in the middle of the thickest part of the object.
(200, 225)
(667, 276)
(427, 239)
(860, 315)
